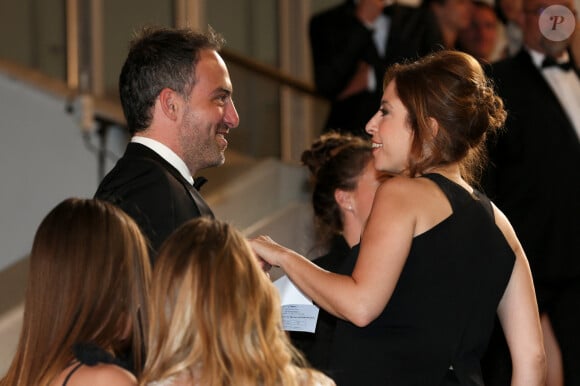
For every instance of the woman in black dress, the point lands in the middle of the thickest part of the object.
(344, 182)
(437, 259)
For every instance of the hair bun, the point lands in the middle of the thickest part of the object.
(324, 148)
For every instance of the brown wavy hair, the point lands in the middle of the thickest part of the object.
(88, 277)
(335, 161)
(450, 87)
(217, 315)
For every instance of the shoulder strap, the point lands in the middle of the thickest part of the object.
(457, 195)
(71, 373)
(449, 188)
(485, 201)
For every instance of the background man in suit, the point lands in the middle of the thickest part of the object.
(481, 38)
(534, 177)
(452, 16)
(352, 46)
(176, 95)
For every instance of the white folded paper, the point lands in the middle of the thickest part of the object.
(298, 311)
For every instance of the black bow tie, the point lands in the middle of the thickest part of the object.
(198, 182)
(550, 62)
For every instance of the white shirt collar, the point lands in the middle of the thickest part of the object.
(381, 27)
(167, 154)
(564, 84)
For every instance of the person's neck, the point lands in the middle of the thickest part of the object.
(368, 14)
(351, 231)
(556, 52)
(451, 172)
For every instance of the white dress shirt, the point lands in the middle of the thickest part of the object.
(380, 28)
(167, 154)
(564, 84)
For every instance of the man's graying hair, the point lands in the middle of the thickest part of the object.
(159, 58)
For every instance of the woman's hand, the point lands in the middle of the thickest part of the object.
(268, 251)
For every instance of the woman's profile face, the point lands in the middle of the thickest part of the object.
(391, 134)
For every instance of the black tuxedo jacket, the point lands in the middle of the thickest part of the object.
(152, 192)
(339, 41)
(534, 173)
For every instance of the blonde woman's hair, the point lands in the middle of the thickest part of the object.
(88, 276)
(217, 315)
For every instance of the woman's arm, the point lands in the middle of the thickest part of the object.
(385, 244)
(519, 316)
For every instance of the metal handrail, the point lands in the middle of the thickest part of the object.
(109, 108)
(269, 72)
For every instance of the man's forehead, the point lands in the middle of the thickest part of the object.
(209, 54)
(211, 71)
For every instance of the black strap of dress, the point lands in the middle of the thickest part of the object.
(74, 369)
(455, 192)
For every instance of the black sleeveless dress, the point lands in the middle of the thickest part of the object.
(440, 316)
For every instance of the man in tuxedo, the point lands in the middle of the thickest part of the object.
(352, 46)
(176, 95)
(534, 176)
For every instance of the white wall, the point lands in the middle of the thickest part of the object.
(42, 161)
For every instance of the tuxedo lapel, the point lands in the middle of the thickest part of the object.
(204, 209)
(138, 150)
(550, 105)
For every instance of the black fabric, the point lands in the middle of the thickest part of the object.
(153, 193)
(533, 175)
(442, 310)
(199, 182)
(550, 62)
(340, 42)
(318, 346)
(91, 355)
(534, 178)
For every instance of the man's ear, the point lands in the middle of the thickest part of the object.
(170, 102)
(344, 199)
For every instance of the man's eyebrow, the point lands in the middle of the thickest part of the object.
(222, 90)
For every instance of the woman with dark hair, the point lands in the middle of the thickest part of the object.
(344, 182)
(87, 282)
(437, 259)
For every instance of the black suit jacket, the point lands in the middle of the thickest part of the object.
(534, 174)
(339, 41)
(152, 192)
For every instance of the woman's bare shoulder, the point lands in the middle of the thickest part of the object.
(102, 375)
(401, 190)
